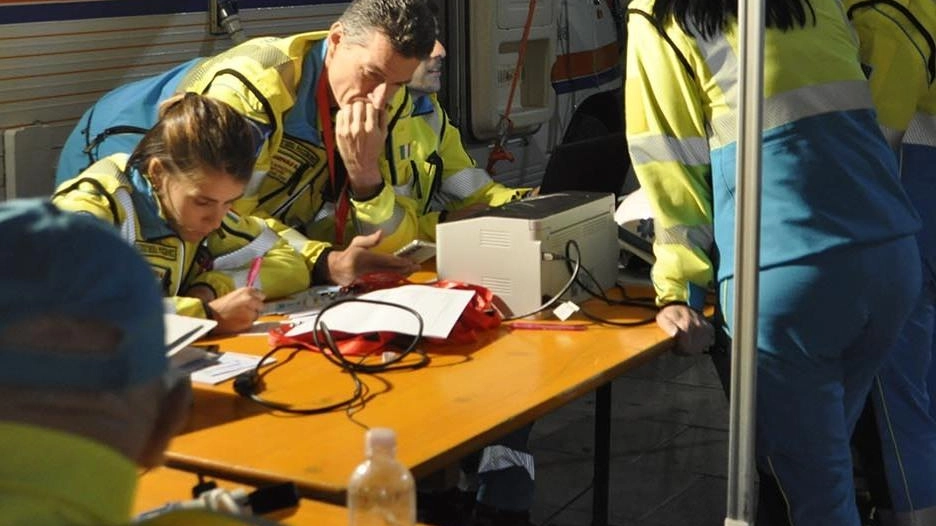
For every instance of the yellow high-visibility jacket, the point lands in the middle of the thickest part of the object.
(124, 198)
(829, 179)
(55, 478)
(898, 50)
(272, 81)
(426, 172)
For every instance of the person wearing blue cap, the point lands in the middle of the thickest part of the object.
(172, 199)
(86, 395)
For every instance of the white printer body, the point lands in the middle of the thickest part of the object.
(503, 248)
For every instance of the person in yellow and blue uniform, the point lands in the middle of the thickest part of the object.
(428, 175)
(172, 200)
(839, 267)
(88, 396)
(317, 103)
(899, 55)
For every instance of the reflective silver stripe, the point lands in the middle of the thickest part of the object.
(254, 184)
(496, 458)
(693, 151)
(327, 211)
(388, 226)
(405, 189)
(922, 130)
(295, 239)
(723, 63)
(687, 236)
(243, 256)
(127, 228)
(463, 184)
(797, 104)
(239, 277)
(434, 122)
(892, 136)
(923, 517)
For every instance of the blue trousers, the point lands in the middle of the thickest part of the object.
(906, 428)
(825, 326)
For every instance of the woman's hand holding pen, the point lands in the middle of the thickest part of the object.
(235, 311)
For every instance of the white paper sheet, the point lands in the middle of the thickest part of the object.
(227, 366)
(182, 330)
(439, 308)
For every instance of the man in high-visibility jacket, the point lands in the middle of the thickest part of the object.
(314, 162)
(428, 175)
(899, 56)
(88, 397)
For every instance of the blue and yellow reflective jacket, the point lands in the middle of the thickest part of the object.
(899, 54)
(829, 178)
(221, 261)
(271, 81)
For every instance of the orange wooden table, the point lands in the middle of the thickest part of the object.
(467, 397)
(162, 485)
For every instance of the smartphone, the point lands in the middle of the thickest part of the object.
(417, 251)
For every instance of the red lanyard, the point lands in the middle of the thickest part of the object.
(342, 201)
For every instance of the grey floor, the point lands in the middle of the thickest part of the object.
(669, 442)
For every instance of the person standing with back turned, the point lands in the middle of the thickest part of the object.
(839, 268)
(897, 430)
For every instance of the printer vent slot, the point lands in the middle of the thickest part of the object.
(497, 285)
(596, 225)
(495, 238)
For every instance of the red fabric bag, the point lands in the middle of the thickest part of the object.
(480, 314)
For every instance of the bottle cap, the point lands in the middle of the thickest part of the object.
(379, 439)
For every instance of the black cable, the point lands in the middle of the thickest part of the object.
(572, 278)
(339, 359)
(250, 384)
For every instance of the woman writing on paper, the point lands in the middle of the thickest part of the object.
(172, 199)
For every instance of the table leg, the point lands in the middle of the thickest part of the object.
(602, 456)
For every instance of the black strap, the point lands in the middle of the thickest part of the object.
(659, 27)
(113, 130)
(931, 59)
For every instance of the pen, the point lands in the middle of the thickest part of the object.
(539, 326)
(254, 271)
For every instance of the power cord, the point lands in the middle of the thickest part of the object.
(549, 256)
(250, 384)
(337, 358)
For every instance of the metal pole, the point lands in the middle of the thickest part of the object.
(747, 243)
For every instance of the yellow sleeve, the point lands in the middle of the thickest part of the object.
(396, 216)
(233, 248)
(185, 306)
(669, 150)
(895, 54)
(83, 195)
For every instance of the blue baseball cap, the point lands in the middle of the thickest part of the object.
(76, 267)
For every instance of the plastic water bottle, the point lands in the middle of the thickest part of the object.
(381, 491)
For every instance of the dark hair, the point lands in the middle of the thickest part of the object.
(409, 24)
(709, 17)
(196, 132)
